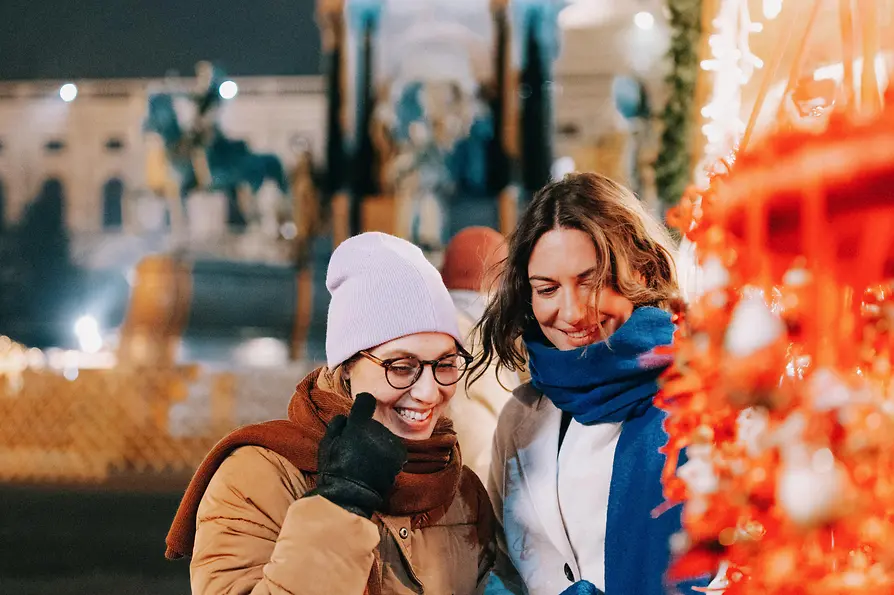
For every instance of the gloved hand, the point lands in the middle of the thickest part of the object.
(358, 460)
(582, 588)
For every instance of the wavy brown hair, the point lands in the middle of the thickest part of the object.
(634, 253)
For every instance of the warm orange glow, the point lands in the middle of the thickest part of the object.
(781, 390)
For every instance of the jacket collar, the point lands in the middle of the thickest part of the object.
(536, 442)
(530, 397)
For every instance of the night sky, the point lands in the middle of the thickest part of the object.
(75, 39)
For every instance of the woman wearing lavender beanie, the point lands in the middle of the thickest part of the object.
(362, 488)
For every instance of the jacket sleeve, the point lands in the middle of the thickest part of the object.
(255, 534)
(474, 417)
(486, 535)
(476, 408)
(504, 580)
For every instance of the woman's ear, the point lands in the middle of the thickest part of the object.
(344, 379)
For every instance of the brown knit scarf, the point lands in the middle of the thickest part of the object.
(428, 482)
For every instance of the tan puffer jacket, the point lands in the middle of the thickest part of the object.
(255, 534)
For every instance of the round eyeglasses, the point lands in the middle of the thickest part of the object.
(403, 372)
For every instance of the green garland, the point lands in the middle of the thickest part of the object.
(674, 163)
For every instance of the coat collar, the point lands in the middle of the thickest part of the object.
(536, 443)
(530, 397)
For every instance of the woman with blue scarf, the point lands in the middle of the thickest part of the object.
(576, 466)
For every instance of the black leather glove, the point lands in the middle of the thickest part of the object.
(358, 460)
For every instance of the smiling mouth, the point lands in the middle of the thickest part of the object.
(414, 416)
(587, 332)
(580, 334)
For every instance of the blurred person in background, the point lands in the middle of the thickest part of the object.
(471, 266)
(362, 489)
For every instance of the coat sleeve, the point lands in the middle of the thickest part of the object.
(255, 534)
(476, 408)
(474, 412)
(504, 580)
(486, 535)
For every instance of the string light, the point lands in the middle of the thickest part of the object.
(644, 20)
(68, 92)
(732, 64)
(228, 89)
(772, 8)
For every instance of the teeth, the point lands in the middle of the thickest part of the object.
(584, 333)
(414, 415)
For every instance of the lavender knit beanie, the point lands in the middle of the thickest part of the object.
(382, 288)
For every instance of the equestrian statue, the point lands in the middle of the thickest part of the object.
(204, 159)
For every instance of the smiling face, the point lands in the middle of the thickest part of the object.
(410, 413)
(560, 271)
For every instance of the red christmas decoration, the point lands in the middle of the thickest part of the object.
(781, 388)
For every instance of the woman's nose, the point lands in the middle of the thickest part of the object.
(573, 308)
(425, 390)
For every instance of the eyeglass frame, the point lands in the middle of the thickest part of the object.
(386, 365)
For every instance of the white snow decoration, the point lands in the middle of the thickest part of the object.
(698, 471)
(714, 275)
(797, 277)
(753, 326)
(808, 495)
(751, 429)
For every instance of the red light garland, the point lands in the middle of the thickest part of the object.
(780, 391)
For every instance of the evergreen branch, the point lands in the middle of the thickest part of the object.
(672, 166)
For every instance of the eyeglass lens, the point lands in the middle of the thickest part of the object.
(402, 373)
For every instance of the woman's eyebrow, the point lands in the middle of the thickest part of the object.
(589, 272)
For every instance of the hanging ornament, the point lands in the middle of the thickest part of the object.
(781, 391)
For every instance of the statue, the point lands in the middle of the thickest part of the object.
(437, 125)
(435, 154)
(421, 181)
(441, 98)
(207, 101)
(307, 216)
(204, 159)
